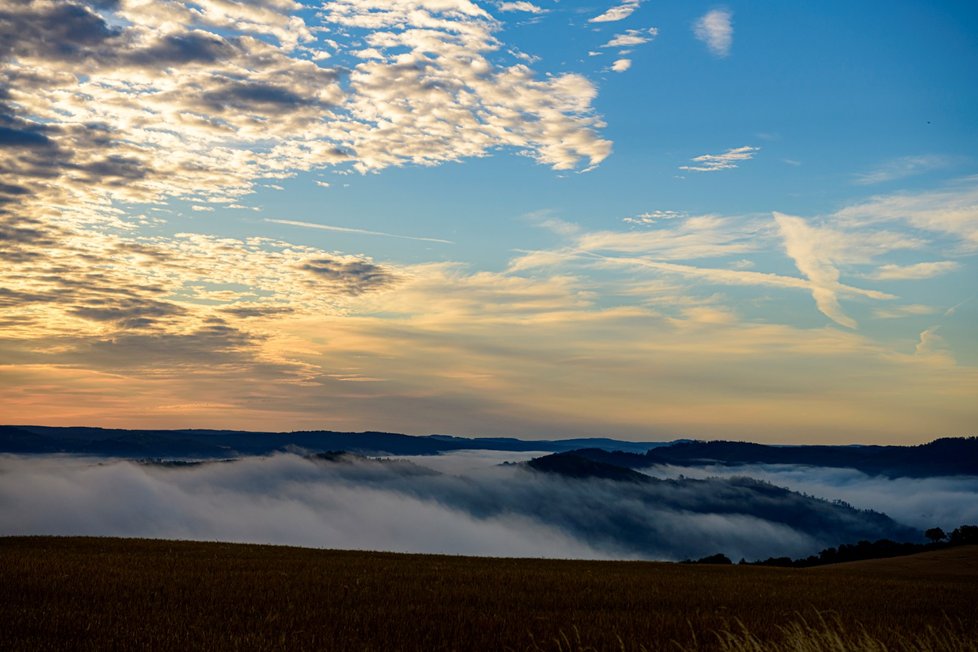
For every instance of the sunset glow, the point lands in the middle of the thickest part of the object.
(535, 219)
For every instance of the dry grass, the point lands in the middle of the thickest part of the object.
(828, 633)
(97, 594)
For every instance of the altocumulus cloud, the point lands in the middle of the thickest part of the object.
(230, 95)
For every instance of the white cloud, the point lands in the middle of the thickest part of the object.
(621, 65)
(931, 344)
(528, 7)
(913, 272)
(903, 167)
(229, 94)
(651, 217)
(715, 29)
(813, 251)
(632, 37)
(725, 161)
(619, 12)
(899, 312)
(323, 184)
(951, 211)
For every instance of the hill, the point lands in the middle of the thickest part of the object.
(959, 562)
(941, 457)
(92, 594)
(135, 444)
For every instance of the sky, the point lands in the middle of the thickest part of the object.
(545, 219)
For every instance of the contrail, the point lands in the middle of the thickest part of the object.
(344, 229)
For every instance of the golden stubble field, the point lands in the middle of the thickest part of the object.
(104, 594)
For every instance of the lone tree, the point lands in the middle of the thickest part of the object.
(935, 534)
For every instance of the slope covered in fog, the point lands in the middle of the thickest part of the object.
(344, 501)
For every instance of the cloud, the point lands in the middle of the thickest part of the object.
(689, 236)
(903, 167)
(528, 7)
(813, 259)
(899, 312)
(715, 28)
(621, 65)
(652, 217)
(343, 229)
(616, 13)
(632, 37)
(817, 252)
(355, 277)
(726, 161)
(951, 212)
(233, 94)
(916, 271)
(397, 506)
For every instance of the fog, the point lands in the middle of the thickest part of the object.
(284, 499)
(458, 504)
(945, 502)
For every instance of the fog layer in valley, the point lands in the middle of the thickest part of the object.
(945, 502)
(459, 504)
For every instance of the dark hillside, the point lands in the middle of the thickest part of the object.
(103, 594)
(949, 456)
(229, 443)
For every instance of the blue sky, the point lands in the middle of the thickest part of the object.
(541, 219)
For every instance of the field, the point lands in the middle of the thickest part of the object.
(100, 594)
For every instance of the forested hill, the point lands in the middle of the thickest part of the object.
(234, 443)
(947, 456)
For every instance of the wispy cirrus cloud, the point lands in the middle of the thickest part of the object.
(728, 160)
(951, 211)
(902, 168)
(892, 272)
(715, 28)
(899, 312)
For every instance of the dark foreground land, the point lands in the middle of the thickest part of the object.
(104, 594)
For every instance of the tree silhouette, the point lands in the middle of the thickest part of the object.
(935, 534)
(966, 534)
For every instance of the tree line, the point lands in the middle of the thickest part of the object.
(862, 550)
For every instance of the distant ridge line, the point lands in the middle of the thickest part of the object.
(941, 457)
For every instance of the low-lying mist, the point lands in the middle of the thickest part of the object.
(456, 504)
(945, 502)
